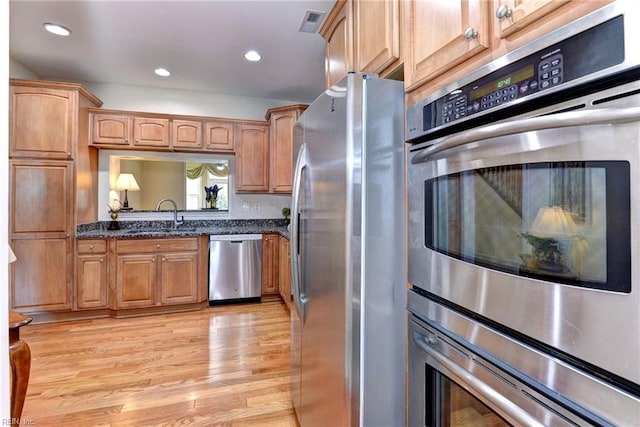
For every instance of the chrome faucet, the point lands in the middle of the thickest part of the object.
(176, 222)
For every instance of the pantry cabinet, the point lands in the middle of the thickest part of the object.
(52, 188)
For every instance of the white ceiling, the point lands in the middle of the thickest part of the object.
(202, 43)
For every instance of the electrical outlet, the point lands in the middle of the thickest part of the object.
(246, 207)
(257, 207)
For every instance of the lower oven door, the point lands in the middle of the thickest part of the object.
(451, 385)
(531, 224)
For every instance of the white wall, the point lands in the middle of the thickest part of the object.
(4, 218)
(19, 71)
(172, 101)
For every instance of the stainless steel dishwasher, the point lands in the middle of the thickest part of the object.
(235, 268)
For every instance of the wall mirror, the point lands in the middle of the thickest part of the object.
(176, 176)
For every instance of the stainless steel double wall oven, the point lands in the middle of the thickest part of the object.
(524, 234)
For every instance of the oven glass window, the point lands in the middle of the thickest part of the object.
(453, 406)
(565, 222)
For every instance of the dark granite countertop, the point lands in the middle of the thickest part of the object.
(99, 230)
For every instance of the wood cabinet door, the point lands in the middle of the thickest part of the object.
(337, 31)
(284, 270)
(136, 281)
(186, 134)
(179, 278)
(270, 264)
(110, 129)
(218, 136)
(41, 198)
(42, 277)
(42, 122)
(522, 13)
(150, 132)
(252, 158)
(91, 281)
(376, 34)
(441, 35)
(281, 151)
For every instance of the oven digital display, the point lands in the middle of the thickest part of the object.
(503, 82)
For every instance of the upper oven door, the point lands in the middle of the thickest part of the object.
(533, 224)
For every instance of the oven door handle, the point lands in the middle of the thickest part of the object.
(512, 410)
(572, 118)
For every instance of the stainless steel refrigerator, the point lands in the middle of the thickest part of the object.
(348, 257)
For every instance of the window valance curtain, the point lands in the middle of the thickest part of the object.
(216, 169)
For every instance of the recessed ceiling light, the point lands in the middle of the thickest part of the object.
(56, 29)
(252, 55)
(163, 72)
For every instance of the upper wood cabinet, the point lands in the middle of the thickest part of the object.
(186, 134)
(338, 32)
(44, 118)
(219, 136)
(441, 35)
(150, 132)
(110, 129)
(377, 44)
(252, 155)
(437, 52)
(122, 130)
(282, 120)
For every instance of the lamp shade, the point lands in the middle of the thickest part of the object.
(553, 222)
(12, 256)
(126, 181)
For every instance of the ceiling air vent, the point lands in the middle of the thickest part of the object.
(311, 21)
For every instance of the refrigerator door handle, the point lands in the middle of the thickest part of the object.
(299, 296)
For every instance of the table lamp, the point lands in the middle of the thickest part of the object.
(126, 182)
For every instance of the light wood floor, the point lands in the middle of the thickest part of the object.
(225, 365)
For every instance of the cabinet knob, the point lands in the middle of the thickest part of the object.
(90, 246)
(153, 259)
(69, 154)
(67, 236)
(164, 259)
(126, 140)
(470, 33)
(503, 12)
(158, 246)
(101, 259)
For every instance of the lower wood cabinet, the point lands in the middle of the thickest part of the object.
(155, 272)
(284, 270)
(270, 264)
(42, 277)
(91, 274)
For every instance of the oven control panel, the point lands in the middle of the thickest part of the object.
(582, 54)
(524, 81)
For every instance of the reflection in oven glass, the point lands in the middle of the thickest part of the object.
(458, 408)
(553, 221)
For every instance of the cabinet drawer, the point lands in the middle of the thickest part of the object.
(92, 246)
(128, 246)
